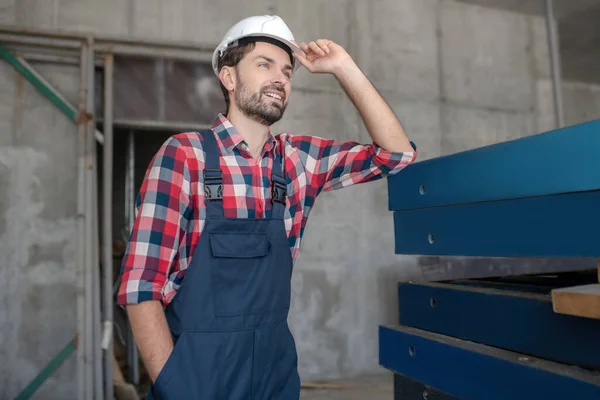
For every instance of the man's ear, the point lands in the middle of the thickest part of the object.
(227, 76)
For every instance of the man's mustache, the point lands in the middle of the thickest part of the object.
(275, 89)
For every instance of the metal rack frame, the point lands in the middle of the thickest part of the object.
(93, 342)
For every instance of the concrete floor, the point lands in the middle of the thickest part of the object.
(378, 387)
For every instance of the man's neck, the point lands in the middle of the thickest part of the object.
(254, 133)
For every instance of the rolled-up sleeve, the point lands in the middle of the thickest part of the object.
(162, 208)
(334, 165)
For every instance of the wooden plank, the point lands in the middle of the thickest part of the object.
(470, 370)
(505, 318)
(545, 226)
(581, 301)
(536, 165)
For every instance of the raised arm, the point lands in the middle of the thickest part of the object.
(325, 56)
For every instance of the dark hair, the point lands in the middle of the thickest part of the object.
(231, 58)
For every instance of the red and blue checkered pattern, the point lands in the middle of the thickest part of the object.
(171, 210)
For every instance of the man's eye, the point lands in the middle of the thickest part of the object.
(263, 65)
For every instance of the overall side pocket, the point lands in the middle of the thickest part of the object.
(192, 371)
(165, 374)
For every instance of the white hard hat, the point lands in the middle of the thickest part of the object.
(270, 26)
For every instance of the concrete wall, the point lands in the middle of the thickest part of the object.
(458, 76)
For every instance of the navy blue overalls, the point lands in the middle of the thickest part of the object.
(229, 316)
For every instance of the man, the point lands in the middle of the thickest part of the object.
(206, 277)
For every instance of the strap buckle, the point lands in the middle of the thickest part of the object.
(278, 192)
(213, 184)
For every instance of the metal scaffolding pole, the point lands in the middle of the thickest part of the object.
(132, 350)
(95, 261)
(554, 51)
(89, 227)
(93, 371)
(107, 192)
(82, 360)
(108, 45)
(97, 306)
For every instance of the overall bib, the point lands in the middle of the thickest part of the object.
(229, 317)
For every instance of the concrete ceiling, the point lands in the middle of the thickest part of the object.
(579, 32)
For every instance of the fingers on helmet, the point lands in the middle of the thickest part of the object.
(315, 48)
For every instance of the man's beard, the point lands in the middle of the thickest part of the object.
(254, 107)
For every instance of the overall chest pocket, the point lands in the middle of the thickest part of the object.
(247, 276)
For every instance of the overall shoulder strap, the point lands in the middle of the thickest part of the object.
(278, 186)
(213, 176)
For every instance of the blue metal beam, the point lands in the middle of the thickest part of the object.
(520, 322)
(559, 161)
(545, 226)
(473, 371)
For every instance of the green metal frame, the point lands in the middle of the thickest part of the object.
(71, 112)
(38, 82)
(21, 66)
(48, 370)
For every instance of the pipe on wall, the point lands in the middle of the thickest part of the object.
(82, 300)
(552, 28)
(107, 214)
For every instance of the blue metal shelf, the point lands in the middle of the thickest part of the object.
(472, 371)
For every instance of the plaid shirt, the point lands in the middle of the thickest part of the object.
(170, 209)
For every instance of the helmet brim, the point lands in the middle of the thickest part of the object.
(294, 48)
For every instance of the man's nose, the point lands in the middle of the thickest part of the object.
(280, 78)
